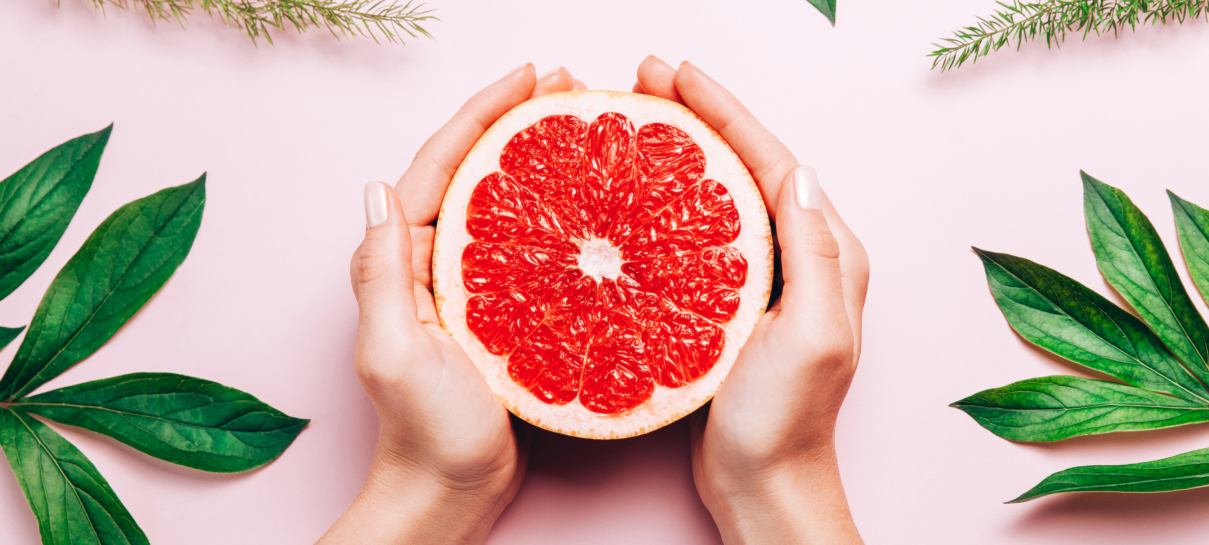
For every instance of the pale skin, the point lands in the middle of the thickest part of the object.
(449, 458)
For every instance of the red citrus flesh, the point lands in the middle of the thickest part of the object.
(600, 264)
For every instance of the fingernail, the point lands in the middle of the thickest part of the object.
(550, 73)
(518, 69)
(375, 204)
(806, 188)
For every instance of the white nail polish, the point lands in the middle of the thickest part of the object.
(806, 188)
(550, 73)
(375, 204)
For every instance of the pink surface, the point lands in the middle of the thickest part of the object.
(922, 165)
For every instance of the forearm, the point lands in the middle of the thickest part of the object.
(801, 503)
(397, 506)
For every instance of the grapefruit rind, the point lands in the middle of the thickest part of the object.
(721, 164)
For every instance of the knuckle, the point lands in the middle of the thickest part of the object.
(369, 266)
(821, 243)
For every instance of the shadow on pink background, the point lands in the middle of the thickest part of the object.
(921, 164)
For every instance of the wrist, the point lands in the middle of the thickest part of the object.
(401, 503)
(794, 500)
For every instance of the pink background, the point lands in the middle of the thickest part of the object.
(922, 165)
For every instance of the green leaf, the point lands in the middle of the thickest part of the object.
(1192, 222)
(38, 201)
(121, 265)
(71, 500)
(1061, 407)
(1076, 323)
(1188, 470)
(184, 420)
(827, 7)
(1133, 260)
(7, 334)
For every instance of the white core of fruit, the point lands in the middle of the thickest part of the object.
(599, 259)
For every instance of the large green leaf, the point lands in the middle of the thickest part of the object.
(7, 334)
(1076, 323)
(73, 503)
(38, 201)
(1061, 407)
(1192, 222)
(827, 7)
(1188, 470)
(184, 420)
(121, 265)
(1133, 260)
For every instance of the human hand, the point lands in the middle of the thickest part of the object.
(448, 459)
(764, 458)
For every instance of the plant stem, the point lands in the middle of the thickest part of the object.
(1051, 20)
(344, 19)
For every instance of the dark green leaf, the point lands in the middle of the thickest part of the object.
(38, 201)
(1188, 470)
(7, 334)
(184, 420)
(827, 7)
(121, 265)
(1132, 258)
(1056, 408)
(71, 500)
(1192, 222)
(1076, 323)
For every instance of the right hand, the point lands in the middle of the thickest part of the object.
(764, 458)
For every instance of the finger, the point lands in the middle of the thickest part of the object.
(554, 81)
(810, 257)
(381, 272)
(765, 156)
(423, 186)
(579, 86)
(854, 268)
(421, 254)
(637, 88)
(657, 78)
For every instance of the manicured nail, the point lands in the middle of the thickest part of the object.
(806, 188)
(375, 204)
(519, 68)
(550, 73)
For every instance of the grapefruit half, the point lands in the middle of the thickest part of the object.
(602, 256)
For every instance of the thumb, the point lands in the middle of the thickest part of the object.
(381, 267)
(810, 253)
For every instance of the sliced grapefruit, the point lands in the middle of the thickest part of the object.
(602, 257)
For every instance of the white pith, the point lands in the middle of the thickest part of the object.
(599, 259)
(755, 242)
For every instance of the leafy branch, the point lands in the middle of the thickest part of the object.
(1160, 356)
(184, 420)
(1019, 22)
(344, 19)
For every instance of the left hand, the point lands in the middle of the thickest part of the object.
(448, 459)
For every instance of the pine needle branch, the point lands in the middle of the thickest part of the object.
(346, 19)
(1052, 20)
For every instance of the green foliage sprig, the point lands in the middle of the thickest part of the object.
(1051, 20)
(123, 263)
(343, 18)
(1161, 356)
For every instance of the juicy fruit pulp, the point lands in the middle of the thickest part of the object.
(600, 263)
